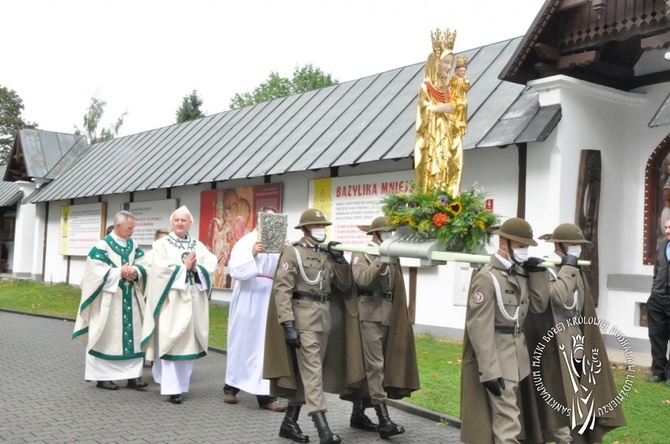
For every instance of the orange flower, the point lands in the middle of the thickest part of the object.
(440, 219)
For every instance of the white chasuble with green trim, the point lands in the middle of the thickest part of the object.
(111, 310)
(177, 322)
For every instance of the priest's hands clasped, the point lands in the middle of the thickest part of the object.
(128, 272)
(190, 261)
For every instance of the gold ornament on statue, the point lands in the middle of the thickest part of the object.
(441, 118)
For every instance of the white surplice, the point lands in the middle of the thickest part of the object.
(248, 314)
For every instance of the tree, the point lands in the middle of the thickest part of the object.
(304, 79)
(11, 107)
(92, 120)
(190, 108)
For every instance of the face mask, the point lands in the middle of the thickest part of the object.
(385, 235)
(575, 250)
(520, 254)
(318, 234)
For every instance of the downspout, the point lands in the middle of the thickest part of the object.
(522, 149)
(44, 244)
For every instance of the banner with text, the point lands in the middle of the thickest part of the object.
(151, 216)
(355, 200)
(81, 227)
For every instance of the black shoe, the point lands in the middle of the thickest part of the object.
(326, 436)
(106, 385)
(175, 399)
(289, 426)
(136, 383)
(387, 427)
(656, 378)
(359, 420)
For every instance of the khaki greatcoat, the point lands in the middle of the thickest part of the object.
(343, 364)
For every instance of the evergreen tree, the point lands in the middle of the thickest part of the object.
(190, 108)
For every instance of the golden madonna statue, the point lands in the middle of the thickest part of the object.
(441, 118)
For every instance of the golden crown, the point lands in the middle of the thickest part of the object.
(461, 61)
(443, 40)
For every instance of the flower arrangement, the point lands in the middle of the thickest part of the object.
(460, 223)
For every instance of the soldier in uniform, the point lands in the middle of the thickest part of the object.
(570, 296)
(317, 352)
(386, 331)
(495, 357)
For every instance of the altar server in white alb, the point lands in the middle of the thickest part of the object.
(176, 328)
(112, 306)
(252, 270)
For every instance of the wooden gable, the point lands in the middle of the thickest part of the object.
(616, 43)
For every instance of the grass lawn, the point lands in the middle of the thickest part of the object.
(647, 407)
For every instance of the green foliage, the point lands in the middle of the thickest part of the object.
(190, 108)
(92, 120)
(461, 222)
(304, 79)
(11, 107)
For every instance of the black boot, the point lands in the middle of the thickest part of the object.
(325, 435)
(289, 426)
(386, 426)
(359, 420)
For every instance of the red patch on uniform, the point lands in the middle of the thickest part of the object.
(478, 297)
(285, 265)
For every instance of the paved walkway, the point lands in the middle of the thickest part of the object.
(44, 399)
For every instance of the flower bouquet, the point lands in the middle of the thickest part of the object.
(460, 223)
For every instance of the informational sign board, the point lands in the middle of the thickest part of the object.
(151, 216)
(81, 227)
(355, 200)
(228, 214)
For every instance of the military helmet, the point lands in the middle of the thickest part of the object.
(569, 233)
(517, 229)
(313, 216)
(378, 224)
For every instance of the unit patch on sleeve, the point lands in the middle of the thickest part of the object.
(356, 260)
(285, 265)
(478, 297)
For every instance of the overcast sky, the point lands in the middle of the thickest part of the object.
(144, 56)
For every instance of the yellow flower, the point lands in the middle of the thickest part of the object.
(455, 207)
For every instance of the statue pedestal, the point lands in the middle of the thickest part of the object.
(407, 244)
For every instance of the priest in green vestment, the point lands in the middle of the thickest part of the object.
(111, 310)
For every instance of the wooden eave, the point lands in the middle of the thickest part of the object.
(599, 41)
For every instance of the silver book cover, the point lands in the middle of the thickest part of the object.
(272, 228)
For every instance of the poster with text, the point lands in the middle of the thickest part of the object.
(150, 216)
(228, 214)
(355, 200)
(81, 227)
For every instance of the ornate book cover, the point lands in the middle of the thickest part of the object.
(272, 228)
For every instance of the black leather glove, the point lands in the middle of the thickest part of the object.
(569, 260)
(291, 335)
(337, 255)
(495, 386)
(531, 264)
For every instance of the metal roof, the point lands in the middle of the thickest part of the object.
(363, 120)
(10, 192)
(42, 154)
